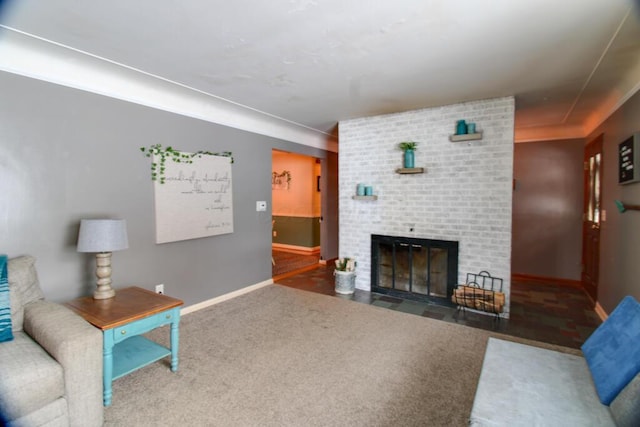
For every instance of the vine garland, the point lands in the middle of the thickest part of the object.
(158, 168)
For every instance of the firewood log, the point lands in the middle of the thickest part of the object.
(461, 300)
(478, 293)
(488, 306)
(478, 298)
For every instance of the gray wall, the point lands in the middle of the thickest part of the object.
(67, 155)
(620, 233)
(547, 209)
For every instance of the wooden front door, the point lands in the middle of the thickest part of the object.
(592, 217)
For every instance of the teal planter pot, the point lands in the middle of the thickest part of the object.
(409, 159)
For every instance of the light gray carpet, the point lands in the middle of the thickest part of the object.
(284, 357)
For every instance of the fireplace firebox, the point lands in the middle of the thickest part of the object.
(417, 269)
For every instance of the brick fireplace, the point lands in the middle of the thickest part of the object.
(464, 194)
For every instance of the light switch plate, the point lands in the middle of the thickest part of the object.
(261, 206)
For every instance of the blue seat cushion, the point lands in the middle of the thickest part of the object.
(613, 350)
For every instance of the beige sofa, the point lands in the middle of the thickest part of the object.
(52, 370)
(525, 385)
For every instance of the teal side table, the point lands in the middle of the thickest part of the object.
(123, 319)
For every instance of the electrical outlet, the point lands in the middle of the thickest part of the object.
(160, 289)
(275, 233)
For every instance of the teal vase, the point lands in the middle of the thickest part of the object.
(409, 159)
(461, 127)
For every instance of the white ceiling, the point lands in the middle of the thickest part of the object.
(569, 63)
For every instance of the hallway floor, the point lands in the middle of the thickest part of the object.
(542, 312)
(284, 262)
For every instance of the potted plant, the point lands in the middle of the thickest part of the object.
(345, 274)
(409, 156)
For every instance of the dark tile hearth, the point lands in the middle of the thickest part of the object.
(542, 312)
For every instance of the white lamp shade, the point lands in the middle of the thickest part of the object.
(102, 235)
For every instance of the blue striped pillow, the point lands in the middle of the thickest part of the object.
(6, 334)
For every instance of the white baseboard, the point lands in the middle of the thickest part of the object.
(600, 312)
(225, 297)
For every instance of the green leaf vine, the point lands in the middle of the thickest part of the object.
(158, 168)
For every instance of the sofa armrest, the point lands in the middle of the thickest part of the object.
(77, 346)
(625, 408)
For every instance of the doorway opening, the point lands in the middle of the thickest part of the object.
(296, 212)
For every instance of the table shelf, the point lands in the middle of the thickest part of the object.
(135, 353)
(409, 171)
(466, 137)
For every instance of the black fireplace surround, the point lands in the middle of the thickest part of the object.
(417, 269)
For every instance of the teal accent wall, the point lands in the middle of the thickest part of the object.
(297, 231)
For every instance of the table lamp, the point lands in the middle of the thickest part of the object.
(103, 236)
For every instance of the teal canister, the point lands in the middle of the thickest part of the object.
(360, 190)
(461, 127)
(471, 128)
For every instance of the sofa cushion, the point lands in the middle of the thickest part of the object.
(55, 414)
(613, 350)
(31, 379)
(24, 287)
(6, 333)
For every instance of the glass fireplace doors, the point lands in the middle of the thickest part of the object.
(421, 269)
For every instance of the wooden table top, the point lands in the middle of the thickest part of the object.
(128, 305)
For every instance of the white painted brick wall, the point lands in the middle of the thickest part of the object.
(464, 195)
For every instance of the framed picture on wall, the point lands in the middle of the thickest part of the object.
(195, 201)
(628, 160)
